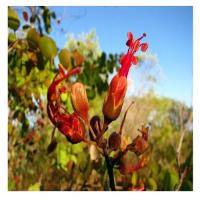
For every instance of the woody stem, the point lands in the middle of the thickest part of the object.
(109, 166)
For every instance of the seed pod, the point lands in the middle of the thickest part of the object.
(114, 141)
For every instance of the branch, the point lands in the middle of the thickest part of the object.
(110, 172)
(182, 177)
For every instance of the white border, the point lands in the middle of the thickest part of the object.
(4, 88)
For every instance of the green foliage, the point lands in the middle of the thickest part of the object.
(34, 187)
(33, 38)
(47, 16)
(65, 58)
(97, 65)
(48, 47)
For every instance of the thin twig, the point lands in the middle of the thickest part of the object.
(181, 173)
(182, 177)
(125, 114)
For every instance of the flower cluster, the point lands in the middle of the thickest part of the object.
(74, 125)
(77, 126)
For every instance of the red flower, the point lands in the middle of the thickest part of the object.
(71, 125)
(117, 89)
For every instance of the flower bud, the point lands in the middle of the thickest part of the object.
(115, 98)
(80, 100)
(114, 141)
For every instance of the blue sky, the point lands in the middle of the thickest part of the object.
(169, 34)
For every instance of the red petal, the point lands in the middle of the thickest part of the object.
(134, 60)
(136, 45)
(122, 58)
(130, 36)
(144, 47)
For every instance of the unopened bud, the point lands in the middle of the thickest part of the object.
(80, 100)
(115, 98)
(114, 141)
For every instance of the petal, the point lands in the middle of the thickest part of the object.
(122, 58)
(134, 60)
(136, 45)
(130, 36)
(144, 47)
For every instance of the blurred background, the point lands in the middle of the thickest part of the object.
(160, 85)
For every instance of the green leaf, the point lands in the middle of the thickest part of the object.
(47, 20)
(171, 179)
(13, 19)
(48, 47)
(33, 37)
(11, 185)
(152, 185)
(77, 148)
(53, 15)
(91, 93)
(11, 38)
(34, 187)
(134, 179)
(65, 58)
(26, 26)
(66, 97)
(62, 156)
